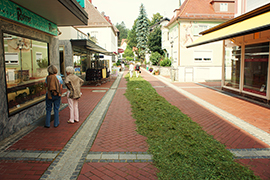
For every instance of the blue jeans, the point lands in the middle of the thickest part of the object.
(56, 104)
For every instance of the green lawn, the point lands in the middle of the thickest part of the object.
(180, 148)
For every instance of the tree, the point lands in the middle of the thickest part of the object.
(154, 40)
(156, 18)
(132, 41)
(142, 26)
(123, 31)
(128, 52)
(155, 58)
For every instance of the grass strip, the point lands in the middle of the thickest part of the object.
(180, 148)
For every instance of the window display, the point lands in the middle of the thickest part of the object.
(26, 63)
(232, 64)
(256, 67)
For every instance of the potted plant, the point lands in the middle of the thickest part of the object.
(156, 72)
(151, 69)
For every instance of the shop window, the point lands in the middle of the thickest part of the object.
(232, 64)
(256, 68)
(26, 69)
(203, 55)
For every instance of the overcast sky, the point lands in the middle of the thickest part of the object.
(128, 10)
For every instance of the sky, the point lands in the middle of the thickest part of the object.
(128, 10)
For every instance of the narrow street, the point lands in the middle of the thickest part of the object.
(105, 144)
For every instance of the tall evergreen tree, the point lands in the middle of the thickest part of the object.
(142, 26)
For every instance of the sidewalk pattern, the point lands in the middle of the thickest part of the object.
(105, 144)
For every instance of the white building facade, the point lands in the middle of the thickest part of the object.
(202, 63)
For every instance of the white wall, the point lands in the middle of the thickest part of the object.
(105, 39)
(69, 32)
(253, 4)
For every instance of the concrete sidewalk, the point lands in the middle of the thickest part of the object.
(105, 144)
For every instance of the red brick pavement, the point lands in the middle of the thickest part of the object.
(118, 171)
(118, 134)
(118, 130)
(22, 169)
(54, 139)
(252, 113)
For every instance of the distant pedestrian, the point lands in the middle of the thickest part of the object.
(137, 70)
(54, 85)
(73, 84)
(131, 69)
(123, 66)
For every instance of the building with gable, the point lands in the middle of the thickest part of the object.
(101, 28)
(193, 16)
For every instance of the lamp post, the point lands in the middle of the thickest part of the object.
(20, 46)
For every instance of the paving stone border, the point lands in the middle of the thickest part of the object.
(119, 157)
(252, 153)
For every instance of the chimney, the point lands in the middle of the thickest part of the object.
(103, 13)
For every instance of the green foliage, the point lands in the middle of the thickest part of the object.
(165, 62)
(123, 32)
(128, 52)
(155, 58)
(42, 63)
(142, 26)
(132, 37)
(154, 41)
(129, 58)
(155, 19)
(180, 148)
(118, 63)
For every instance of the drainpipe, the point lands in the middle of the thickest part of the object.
(178, 44)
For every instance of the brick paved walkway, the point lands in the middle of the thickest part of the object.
(118, 134)
(119, 152)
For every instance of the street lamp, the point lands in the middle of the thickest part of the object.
(20, 46)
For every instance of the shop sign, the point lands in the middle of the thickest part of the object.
(19, 14)
(81, 2)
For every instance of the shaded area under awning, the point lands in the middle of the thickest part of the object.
(250, 25)
(90, 45)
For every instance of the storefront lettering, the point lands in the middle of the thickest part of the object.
(22, 17)
(51, 28)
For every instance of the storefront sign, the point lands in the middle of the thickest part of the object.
(17, 13)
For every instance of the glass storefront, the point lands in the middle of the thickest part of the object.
(256, 68)
(232, 64)
(26, 63)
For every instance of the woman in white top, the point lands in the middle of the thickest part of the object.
(73, 84)
(131, 69)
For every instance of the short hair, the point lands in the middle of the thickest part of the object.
(70, 69)
(52, 69)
